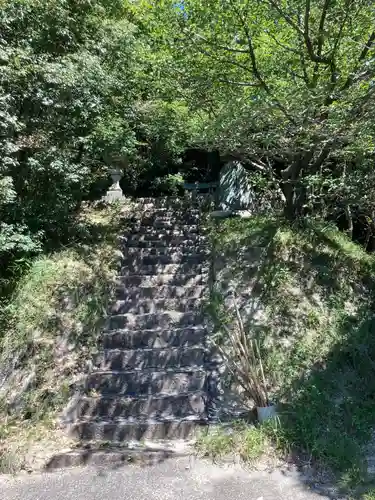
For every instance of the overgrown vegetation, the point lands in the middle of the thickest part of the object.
(51, 330)
(134, 84)
(79, 94)
(307, 297)
(368, 496)
(285, 87)
(238, 439)
(240, 352)
(85, 86)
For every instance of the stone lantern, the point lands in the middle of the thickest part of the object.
(115, 192)
(118, 163)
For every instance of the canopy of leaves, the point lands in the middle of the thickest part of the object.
(78, 94)
(287, 86)
(288, 81)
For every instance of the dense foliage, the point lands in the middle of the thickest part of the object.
(57, 110)
(285, 86)
(78, 94)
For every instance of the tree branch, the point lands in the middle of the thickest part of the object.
(307, 19)
(225, 61)
(314, 57)
(292, 172)
(275, 182)
(285, 47)
(251, 53)
(304, 69)
(362, 56)
(367, 47)
(258, 166)
(222, 47)
(304, 34)
(358, 109)
(322, 156)
(296, 75)
(254, 65)
(321, 27)
(338, 39)
(287, 18)
(333, 67)
(240, 84)
(320, 41)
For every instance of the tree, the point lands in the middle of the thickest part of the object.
(70, 73)
(80, 91)
(68, 82)
(291, 81)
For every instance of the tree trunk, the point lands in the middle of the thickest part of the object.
(292, 189)
(349, 219)
(370, 230)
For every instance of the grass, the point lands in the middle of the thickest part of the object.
(369, 495)
(238, 439)
(308, 297)
(52, 327)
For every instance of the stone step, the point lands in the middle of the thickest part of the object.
(169, 202)
(150, 380)
(167, 251)
(146, 306)
(179, 230)
(115, 454)
(145, 383)
(168, 213)
(134, 269)
(164, 223)
(162, 320)
(172, 337)
(159, 280)
(176, 243)
(162, 238)
(167, 221)
(125, 430)
(141, 359)
(138, 259)
(159, 292)
(187, 405)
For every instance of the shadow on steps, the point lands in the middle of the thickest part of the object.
(114, 455)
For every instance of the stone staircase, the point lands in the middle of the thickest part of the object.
(152, 379)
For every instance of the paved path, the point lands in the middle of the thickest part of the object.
(181, 479)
